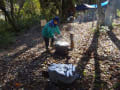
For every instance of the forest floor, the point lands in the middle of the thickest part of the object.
(96, 56)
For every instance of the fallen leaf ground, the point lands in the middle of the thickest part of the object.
(96, 55)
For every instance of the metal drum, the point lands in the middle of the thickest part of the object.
(61, 47)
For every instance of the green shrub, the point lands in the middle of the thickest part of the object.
(27, 22)
(118, 13)
(6, 36)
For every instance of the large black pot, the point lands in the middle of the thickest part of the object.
(61, 47)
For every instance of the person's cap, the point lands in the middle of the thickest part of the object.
(56, 18)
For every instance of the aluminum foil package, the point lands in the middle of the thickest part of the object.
(65, 73)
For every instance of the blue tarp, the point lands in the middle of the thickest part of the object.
(102, 4)
(87, 6)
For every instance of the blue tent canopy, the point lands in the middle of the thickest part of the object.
(87, 6)
(82, 7)
(102, 4)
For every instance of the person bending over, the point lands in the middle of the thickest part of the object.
(49, 30)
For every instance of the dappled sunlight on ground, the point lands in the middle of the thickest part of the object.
(96, 55)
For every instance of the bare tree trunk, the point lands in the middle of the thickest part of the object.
(110, 13)
(61, 8)
(42, 6)
(10, 20)
(100, 14)
(21, 4)
(12, 9)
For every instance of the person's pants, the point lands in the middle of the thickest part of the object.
(47, 42)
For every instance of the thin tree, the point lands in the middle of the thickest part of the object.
(9, 16)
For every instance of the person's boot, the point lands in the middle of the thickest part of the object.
(52, 46)
(47, 49)
(52, 43)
